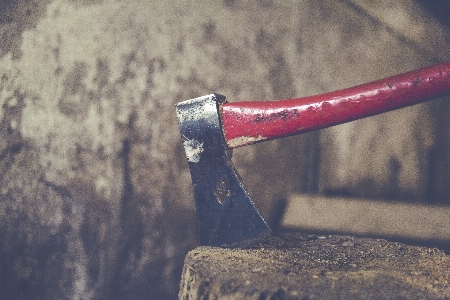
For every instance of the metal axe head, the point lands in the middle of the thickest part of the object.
(225, 213)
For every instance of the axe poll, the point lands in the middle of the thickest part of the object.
(210, 127)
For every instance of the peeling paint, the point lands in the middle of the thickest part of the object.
(194, 150)
(244, 140)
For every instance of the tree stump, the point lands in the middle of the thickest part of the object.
(299, 266)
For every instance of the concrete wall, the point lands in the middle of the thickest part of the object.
(397, 154)
(95, 195)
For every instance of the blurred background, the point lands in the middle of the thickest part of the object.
(95, 193)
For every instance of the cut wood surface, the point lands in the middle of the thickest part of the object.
(295, 266)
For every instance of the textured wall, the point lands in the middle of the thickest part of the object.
(397, 155)
(95, 195)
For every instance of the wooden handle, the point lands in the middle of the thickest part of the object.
(251, 122)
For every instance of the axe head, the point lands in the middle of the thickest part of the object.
(225, 213)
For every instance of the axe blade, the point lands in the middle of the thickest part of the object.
(225, 213)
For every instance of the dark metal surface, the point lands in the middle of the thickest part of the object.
(225, 213)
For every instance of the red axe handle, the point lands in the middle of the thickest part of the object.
(250, 122)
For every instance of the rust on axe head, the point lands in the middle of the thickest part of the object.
(225, 213)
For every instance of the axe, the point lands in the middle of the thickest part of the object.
(210, 128)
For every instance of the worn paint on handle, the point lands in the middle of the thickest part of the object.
(250, 122)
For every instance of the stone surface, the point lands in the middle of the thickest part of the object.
(296, 266)
(422, 223)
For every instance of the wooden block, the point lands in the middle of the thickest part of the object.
(295, 266)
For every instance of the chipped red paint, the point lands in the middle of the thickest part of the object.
(250, 122)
